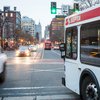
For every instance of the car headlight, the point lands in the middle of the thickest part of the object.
(27, 51)
(17, 52)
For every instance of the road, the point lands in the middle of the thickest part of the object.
(38, 75)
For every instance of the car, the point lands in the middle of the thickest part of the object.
(47, 45)
(56, 47)
(33, 48)
(3, 60)
(23, 51)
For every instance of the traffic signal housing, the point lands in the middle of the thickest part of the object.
(76, 7)
(53, 8)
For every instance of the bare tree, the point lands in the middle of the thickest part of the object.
(84, 4)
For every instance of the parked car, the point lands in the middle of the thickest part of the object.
(3, 60)
(33, 47)
(23, 51)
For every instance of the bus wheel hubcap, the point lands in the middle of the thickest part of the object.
(91, 92)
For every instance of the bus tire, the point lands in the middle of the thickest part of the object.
(89, 90)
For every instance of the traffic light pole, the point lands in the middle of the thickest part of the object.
(59, 8)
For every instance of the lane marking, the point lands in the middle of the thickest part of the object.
(48, 71)
(42, 54)
(28, 88)
(56, 52)
(33, 63)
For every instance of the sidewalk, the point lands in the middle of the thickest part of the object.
(47, 97)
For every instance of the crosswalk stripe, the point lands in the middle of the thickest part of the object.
(25, 60)
(41, 93)
(28, 88)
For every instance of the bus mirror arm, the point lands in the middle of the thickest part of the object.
(62, 47)
(63, 81)
(63, 55)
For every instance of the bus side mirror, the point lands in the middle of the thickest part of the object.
(62, 49)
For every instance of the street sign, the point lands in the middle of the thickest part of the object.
(65, 9)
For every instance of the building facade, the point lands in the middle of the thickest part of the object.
(10, 22)
(28, 25)
(57, 28)
(47, 32)
(38, 32)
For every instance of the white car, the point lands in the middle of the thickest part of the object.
(23, 51)
(3, 60)
(33, 47)
(56, 47)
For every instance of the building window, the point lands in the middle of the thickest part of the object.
(11, 14)
(6, 14)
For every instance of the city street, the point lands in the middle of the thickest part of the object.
(38, 75)
(50, 50)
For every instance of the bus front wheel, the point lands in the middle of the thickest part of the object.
(89, 90)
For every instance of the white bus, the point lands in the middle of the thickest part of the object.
(82, 53)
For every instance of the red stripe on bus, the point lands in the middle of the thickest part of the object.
(84, 16)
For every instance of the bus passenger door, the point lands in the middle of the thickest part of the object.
(71, 62)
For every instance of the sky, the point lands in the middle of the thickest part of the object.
(38, 10)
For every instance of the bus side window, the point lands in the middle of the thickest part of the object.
(90, 43)
(71, 43)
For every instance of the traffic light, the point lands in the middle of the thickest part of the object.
(76, 7)
(53, 8)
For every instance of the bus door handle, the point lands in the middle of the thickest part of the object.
(79, 69)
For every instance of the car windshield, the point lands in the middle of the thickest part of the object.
(23, 48)
(56, 45)
(30, 45)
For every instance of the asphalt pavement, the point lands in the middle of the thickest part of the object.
(47, 97)
(35, 78)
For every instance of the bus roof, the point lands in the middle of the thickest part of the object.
(88, 15)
